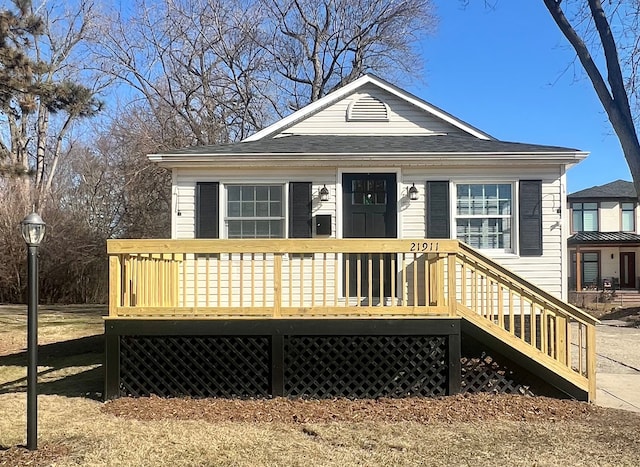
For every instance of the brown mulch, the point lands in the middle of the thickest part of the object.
(47, 454)
(459, 408)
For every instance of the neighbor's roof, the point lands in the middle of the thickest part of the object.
(338, 144)
(603, 237)
(617, 189)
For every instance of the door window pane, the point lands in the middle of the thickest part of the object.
(369, 192)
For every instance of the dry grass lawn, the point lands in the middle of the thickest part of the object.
(75, 428)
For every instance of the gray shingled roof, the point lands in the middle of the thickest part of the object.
(617, 189)
(337, 144)
(603, 237)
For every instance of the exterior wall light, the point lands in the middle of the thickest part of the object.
(324, 193)
(413, 192)
(33, 229)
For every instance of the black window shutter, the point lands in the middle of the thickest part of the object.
(300, 210)
(207, 210)
(530, 217)
(438, 210)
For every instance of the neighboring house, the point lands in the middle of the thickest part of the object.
(605, 237)
(345, 251)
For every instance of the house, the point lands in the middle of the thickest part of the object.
(605, 237)
(366, 236)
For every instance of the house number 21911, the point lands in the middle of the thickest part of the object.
(424, 246)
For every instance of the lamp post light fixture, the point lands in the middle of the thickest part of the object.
(33, 229)
(324, 193)
(413, 192)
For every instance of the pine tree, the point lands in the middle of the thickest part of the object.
(17, 85)
(31, 93)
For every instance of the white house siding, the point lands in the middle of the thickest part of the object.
(261, 293)
(545, 271)
(183, 218)
(404, 119)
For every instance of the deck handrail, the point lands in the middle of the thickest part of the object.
(469, 254)
(347, 245)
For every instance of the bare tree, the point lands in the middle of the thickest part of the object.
(194, 63)
(317, 46)
(217, 70)
(590, 32)
(144, 188)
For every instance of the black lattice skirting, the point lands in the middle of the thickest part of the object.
(353, 358)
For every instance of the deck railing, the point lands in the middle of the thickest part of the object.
(347, 278)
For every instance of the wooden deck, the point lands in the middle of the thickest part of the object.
(351, 278)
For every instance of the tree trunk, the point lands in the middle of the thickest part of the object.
(614, 98)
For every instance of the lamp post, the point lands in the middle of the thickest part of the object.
(33, 232)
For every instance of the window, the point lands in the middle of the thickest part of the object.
(255, 211)
(368, 191)
(484, 215)
(628, 217)
(589, 269)
(585, 217)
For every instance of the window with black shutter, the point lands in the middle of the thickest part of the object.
(438, 218)
(255, 211)
(300, 210)
(530, 218)
(207, 210)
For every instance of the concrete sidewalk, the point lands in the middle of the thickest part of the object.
(618, 366)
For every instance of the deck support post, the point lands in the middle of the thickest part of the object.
(111, 362)
(454, 353)
(277, 365)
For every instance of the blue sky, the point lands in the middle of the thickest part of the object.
(510, 72)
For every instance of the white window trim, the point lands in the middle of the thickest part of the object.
(514, 216)
(224, 205)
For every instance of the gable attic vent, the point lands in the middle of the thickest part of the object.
(368, 108)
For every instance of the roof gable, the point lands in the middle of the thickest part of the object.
(328, 115)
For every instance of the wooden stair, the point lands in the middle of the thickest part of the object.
(540, 332)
